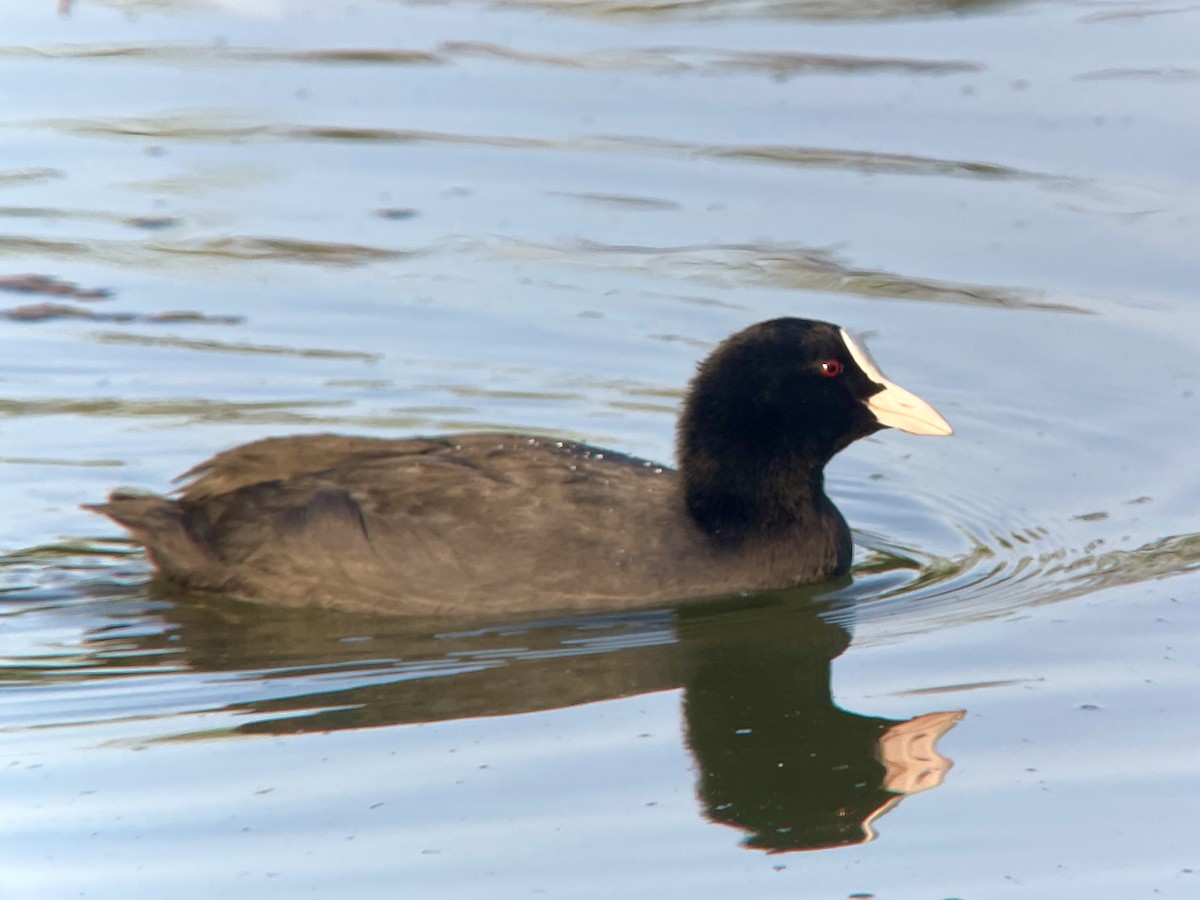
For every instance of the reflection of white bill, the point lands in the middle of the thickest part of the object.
(908, 751)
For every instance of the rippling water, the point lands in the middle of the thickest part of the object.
(226, 220)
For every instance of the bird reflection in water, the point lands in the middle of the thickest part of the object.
(776, 757)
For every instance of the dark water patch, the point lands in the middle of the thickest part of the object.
(707, 61)
(958, 688)
(677, 59)
(42, 312)
(277, 249)
(194, 125)
(621, 201)
(25, 246)
(874, 162)
(1134, 12)
(213, 346)
(1165, 75)
(66, 463)
(345, 133)
(474, 390)
(185, 409)
(397, 214)
(85, 554)
(43, 212)
(694, 300)
(134, 254)
(152, 223)
(201, 180)
(352, 56)
(419, 418)
(681, 339)
(652, 59)
(50, 286)
(370, 384)
(780, 265)
(788, 65)
(55, 214)
(28, 176)
(215, 126)
(185, 54)
(866, 161)
(643, 406)
(239, 249)
(814, 10)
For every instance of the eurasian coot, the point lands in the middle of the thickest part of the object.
(483, 523)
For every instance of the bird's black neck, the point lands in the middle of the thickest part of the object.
(739, 500)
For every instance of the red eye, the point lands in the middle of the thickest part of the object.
(831, 368)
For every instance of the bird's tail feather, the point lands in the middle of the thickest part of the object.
(158, 525)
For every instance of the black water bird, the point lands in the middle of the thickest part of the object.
(489, 523)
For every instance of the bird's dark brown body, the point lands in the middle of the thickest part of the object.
(353, 522)
(481, 523)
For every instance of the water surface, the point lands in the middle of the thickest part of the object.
(222, 221)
